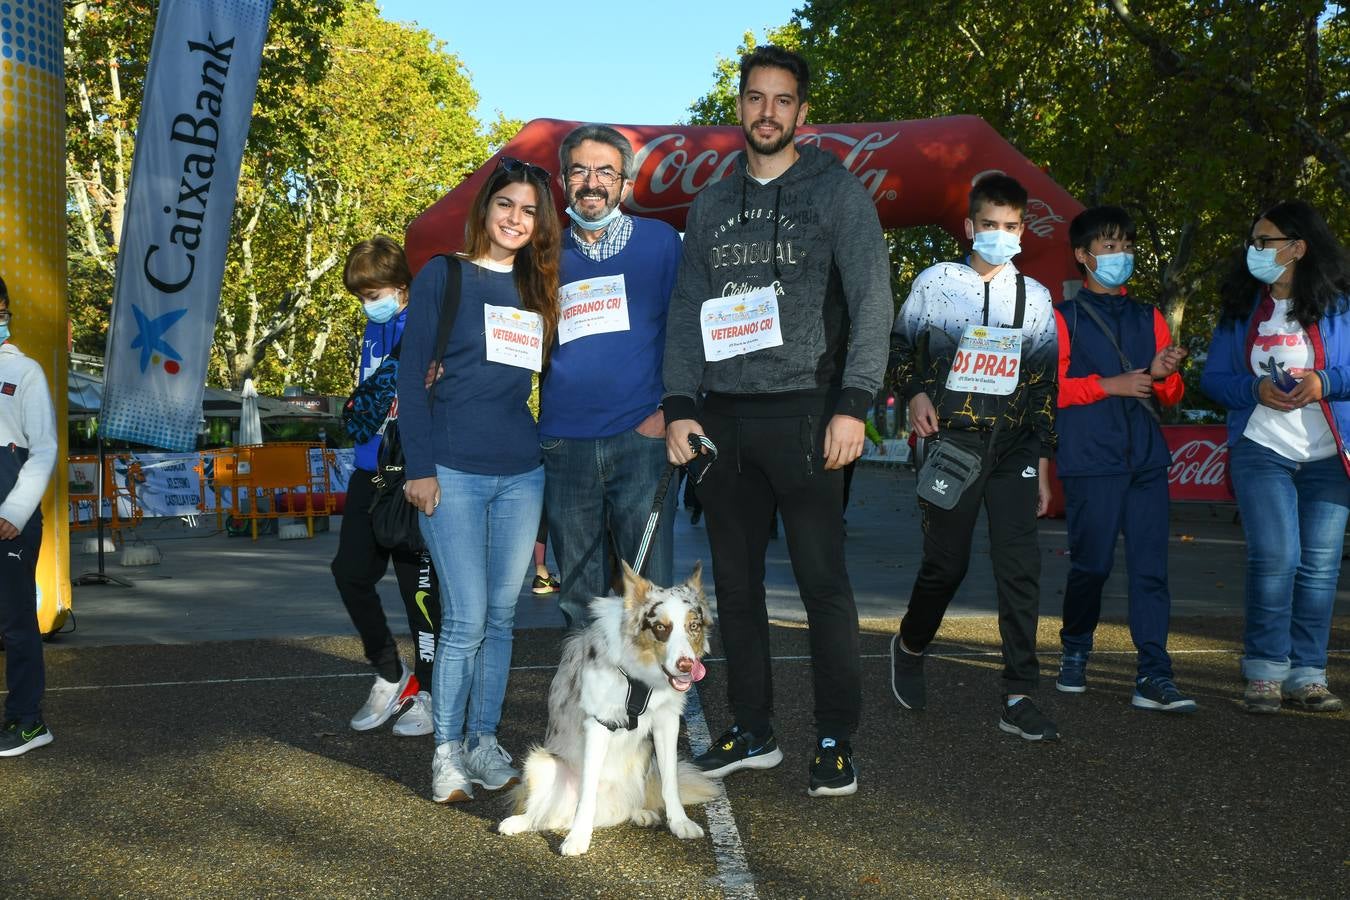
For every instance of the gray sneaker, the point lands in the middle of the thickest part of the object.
(1313, 698)
(449, 784)
(381, 703)
(417, 720)
(1262, 696)
(489, 765)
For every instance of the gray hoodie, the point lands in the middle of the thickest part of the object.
(831, 272)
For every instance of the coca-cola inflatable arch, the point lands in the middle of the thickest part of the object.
(918, 173)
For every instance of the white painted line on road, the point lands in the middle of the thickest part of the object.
(733, 872)
(952, 654)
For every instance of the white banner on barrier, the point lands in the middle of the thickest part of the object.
(169, 483)
(198, 103)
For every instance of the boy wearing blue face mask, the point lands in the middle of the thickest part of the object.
(377, 274)
(1117, 363)
(973, 350)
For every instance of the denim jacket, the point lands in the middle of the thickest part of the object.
(1228, 378)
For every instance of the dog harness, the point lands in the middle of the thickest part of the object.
(639, 695)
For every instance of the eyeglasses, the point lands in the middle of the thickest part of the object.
(1263, 241)
(606, 176)
(4, 317)
(511, 164)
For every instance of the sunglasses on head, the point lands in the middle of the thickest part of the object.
(512, 165)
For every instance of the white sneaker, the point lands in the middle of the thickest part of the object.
(448, 783)
(381, 703)
(489, 765)
(417, 720)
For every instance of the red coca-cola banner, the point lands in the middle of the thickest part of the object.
(1199, 462)
(1199, 470)
(918, 173)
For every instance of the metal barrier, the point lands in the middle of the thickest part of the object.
(119, 492)
(245, 482)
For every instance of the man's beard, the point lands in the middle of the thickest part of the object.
(772, 145)
(585, 193)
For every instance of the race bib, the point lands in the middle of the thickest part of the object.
(514, 336)
(592, 306)
(987, 362)
(734, 326)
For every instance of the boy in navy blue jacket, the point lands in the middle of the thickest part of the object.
(1117, 364)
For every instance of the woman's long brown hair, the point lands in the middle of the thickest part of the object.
(536, 264)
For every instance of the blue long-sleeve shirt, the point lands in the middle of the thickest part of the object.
(604, 384)
(376, 344)
(477, 418)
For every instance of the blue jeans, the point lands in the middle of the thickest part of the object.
(596, 486)
(482, 540)
(1098, 508)
(1294, 517)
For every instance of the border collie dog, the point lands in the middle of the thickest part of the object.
(614, 719)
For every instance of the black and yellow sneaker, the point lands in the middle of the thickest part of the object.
(832, 772)
(17, 738)
(739, 749)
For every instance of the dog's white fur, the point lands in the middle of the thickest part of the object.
(587, 776)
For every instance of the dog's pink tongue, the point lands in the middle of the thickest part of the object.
(698, 671)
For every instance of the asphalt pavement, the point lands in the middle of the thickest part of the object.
(202, 748)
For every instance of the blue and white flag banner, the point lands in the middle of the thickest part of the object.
(198, 104)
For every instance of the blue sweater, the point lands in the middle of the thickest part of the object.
(377, 343)
(604, 384)
(1230, 382)
(1114, 435)
(479, 418)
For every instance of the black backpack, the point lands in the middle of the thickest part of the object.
(393, 519)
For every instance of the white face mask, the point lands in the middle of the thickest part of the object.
(996, 247)
(1262, 265)
(588, 225)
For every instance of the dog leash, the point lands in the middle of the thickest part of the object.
(705, 454)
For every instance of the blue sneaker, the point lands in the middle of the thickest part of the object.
(1072, 673)
(1153, 692)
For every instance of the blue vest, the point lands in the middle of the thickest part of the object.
(1114, 435)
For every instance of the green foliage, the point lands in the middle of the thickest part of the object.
(359, 124)
(1192, 116)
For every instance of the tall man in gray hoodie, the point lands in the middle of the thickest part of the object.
(779, 318)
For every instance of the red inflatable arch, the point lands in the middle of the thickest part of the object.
(918, 173)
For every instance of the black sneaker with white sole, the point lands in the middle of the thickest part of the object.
(1027, 722)
(18, 738)
(739, 749)
(907, 681)
(832, 772)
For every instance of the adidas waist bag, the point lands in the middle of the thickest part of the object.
(946, 472)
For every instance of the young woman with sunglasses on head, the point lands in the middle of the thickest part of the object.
(1279, 362)
(473, 461)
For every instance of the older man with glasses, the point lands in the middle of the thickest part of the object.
(600, 421)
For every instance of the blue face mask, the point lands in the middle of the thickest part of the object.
(1113, 269)
(997, 247)
(4, 332)
(382, 310)
(587, 225)
(1262, 265)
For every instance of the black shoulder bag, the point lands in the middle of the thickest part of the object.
(392, 518)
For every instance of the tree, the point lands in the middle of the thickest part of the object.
(384, 134)
(106, 52)
(1193, 117)
(359, 124)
